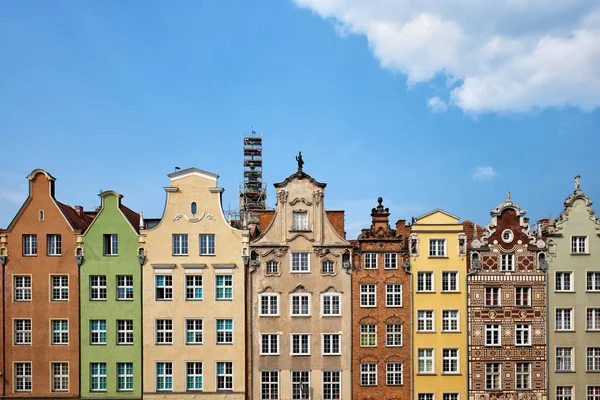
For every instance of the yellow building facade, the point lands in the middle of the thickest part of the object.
(193, 295)
(437, 247)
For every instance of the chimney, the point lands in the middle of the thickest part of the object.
(79, 211)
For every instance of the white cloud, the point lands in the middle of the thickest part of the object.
(484, 174)
(436, 104)
(12, 196)
(499, 55)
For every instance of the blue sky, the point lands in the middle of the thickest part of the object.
(114, 95)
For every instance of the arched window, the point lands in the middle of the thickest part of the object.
(194, 207)
(41, 215)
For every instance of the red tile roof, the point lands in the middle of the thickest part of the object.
(78, 222)
(132, 217)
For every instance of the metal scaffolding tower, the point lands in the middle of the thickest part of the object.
(253, 194)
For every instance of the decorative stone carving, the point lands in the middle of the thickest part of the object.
(300, 199)
(322, 252)
(204, 214)
(318, 196)
(277, 252)
(413, 244)
(282, 196)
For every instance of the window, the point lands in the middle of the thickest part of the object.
(390, 261)
(272, 267)
(23, 377)
(327, 267)
(593, 319)
(300, 344)
(449, 281)
(60, 287)
(332, 343)
(301, 385)
(425, 321)
(593, 359)
(437, 247)
(269, 385)
(393, 295)
(124, 287)
(368, 335)
(180, 244)
(60, 331)
(163, 287)
(393, 335)
(164, 331)
(368, 374)
(53, 245)
(269, 344)
(225, 375)
(424, 281)
(450, 321)
(492, 297)
(563, 282)
(98, 377)
(224, 287)
(193, 331)
(300, 262)
(332, 382)
(300, 304)
(269, 304)
(523, 376)
(97, 287)
(507, 262)
(493, 335)
(207, 245)
(164, 376)
(425, 361)
(564, 392)
(393, 374)
(193, 207)
(367, 295)
(331, 304)
(579, 244)
(41, 215)
(98, 331)
(22, 331)
(523, 335)
(450, 361)
(492, 376)
(370, 260)
(450, 396)
(22, 288)
(593, 281)
(193, 375)
(111, 245)
(564, 359)
(300, 221)
(426, 396)
(224, 331)
(593, 393)
(60, 377)
(564, 317)
(124, 331)
(124, 376)
(30, 245)
(523, 296)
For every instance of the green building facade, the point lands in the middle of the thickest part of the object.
(110, 303)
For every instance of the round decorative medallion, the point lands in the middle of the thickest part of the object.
(507, 236)
(492, 314)
(523, 313)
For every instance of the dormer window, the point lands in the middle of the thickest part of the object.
(300, 221)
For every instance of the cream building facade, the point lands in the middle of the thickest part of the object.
(193, 295)
(438, 253)
(299, 299)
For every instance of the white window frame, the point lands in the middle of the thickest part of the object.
(330, 339)
(437, 248)
(221, 288)
(23, 380)
(426, 396)
(269, 339)
(394, 376)
(592, 358)
(300, 221)
(390, 261)
(30, 245)
(297, 262)
(523, 290)
(98, 287)
(61, 334)
(393, 294)
(300, 337)
(496, 383)
(300, 296)
(492, 303)
(451, 396)
(564, 359)
(60, 291)
(125, 285)
(269, 267)
(368, 374)
(224, 332)
(165, 290)
(428, 316)
(300, 389)
(53, 245)
(370, 260)
(335, 383)
(593, 392)
(592, 319)
(426, 355)
(192, 283)
(327, 267)
(562, 317)
(98, 379)
(194, 326)
(447, 282)
(523, 374)
(180, 244)
(110, 244)
(564, 392)
(522, 335)
(496, 333)
(96, 334)
(579, 246)
(22, 331)
(559, 284)
(168, 373)
(449, 358)
(368, 298)
(208, 244)
(225, 376)
(125, 377)
(22, 287)
(422, 286)
(192, 366)
(368, 332)
(327, 299)
(270, 384)
(507, 262)
(592, 281)
(60, 376)
(163, 331)
(273, 310)
(447, 318)
(391, 333)
(125, 332)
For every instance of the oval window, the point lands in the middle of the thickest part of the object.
(194, 207)
(507, 236)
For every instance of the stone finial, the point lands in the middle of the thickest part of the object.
(508, 196)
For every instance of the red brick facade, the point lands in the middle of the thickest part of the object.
(381, 244)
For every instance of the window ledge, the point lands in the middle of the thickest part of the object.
(564, 372)
(580, 254)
